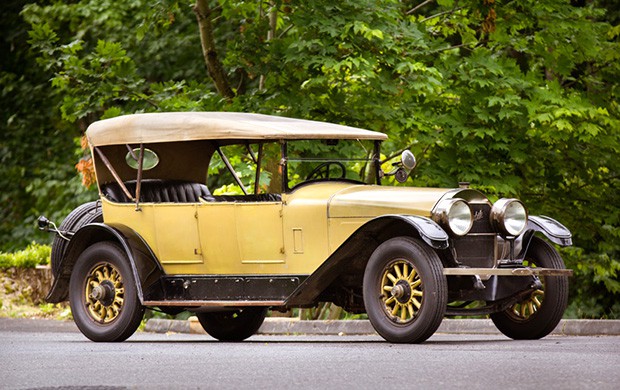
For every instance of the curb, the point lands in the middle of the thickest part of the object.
(288, 326)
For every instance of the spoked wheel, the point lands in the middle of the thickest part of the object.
(541, 311)
(405, 291)
(528, 307)
(103, 294)
(404, 287)
(233, 325)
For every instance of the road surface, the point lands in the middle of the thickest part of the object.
(58, 357)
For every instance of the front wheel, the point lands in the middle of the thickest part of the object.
(405, 291)
(233, 325)
(541, 311)
(103, 294)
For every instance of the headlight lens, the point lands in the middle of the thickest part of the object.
(509, 217)
(454, 215)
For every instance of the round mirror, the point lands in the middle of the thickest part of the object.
(150, 159)
(408, 160)
(401, 175)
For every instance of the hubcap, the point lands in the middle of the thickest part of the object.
(402, 292)
(104, 293)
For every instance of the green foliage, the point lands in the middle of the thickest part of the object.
(35, 254)
(37, 149)
(518, 98)
(595, 288)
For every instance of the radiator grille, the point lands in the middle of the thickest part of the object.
(477, 248)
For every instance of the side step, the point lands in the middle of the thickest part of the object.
(197, 303)
(525, 271)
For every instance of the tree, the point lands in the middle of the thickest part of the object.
(518, 98)
(37, 149)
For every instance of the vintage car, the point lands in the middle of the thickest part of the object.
(229, 215)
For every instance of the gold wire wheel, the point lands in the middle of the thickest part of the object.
(529, 307)
(104, 293)
(402, 291)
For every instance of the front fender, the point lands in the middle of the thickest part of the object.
(549, 227)
(552, 229)
(428, 230)
(145, 267)
(351, 257)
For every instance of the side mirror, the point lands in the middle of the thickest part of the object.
(401, 175)
(408, 160)
(403, 167)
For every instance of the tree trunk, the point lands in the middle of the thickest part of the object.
(214, 66)
(273, 20)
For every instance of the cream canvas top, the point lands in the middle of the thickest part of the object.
(189, 126)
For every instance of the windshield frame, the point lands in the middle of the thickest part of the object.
(374, 159)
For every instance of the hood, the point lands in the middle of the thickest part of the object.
(371, 201)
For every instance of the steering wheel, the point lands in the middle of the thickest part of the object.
(322, 170)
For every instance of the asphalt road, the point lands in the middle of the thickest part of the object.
(53, 356)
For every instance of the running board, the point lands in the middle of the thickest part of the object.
(213, 303)
(526, 271)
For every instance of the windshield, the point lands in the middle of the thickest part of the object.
(273, 167)
(350, 160)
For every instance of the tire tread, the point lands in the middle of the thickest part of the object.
(547, 318)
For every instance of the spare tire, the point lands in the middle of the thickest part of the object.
(82, 215)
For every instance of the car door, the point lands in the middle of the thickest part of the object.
(259, 233)
(176, 231)
(240, 237)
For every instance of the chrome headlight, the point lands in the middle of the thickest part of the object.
(454, 215)
(509, 217)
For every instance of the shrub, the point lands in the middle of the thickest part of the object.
(35, 254)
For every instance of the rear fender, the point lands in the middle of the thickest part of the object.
(145, 267)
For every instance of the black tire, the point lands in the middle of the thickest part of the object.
(82, 215)
(532, 318)
(414, 307)
(103, 294)
(233, 325)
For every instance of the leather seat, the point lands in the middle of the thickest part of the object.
(248, 198)
(159, 191)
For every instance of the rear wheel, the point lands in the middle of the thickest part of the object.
(540, 312)
(405, 291)
(103, 294)
(233, 325)
(82, 215)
